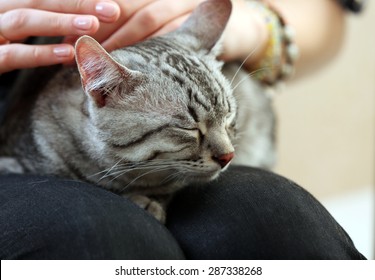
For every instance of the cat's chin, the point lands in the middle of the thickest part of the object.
(203, 177)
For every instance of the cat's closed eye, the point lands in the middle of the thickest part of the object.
(192, 131)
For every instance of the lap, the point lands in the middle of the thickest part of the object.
(245, 214)
(49, 218)
(254, 214)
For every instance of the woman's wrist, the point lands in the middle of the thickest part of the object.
(278, 61)
(262, 40)
(246, 36)
(259, 39)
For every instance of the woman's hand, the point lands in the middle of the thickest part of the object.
(141, 19)
(246, 31)
(121, 24)
(21, 19)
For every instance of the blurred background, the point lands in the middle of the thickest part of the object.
(326, 132)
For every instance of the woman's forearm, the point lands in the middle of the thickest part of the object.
(319, 28)
(318, 25)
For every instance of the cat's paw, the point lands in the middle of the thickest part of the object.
(10, 165)
(150, 205)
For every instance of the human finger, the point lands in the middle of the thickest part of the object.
(3, 40)
(18, 56)
(147, 21)
(21, 23)
(127, 10)
(105, 10)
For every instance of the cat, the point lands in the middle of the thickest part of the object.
(146, 120)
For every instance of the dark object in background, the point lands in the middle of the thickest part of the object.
(355, 6)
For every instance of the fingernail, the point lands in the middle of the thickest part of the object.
(83, 23)
(63, 51)
(106, 9)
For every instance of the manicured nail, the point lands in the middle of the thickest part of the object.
(63, 51)
(83, 23)
(107, 10)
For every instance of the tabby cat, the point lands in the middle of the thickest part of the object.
(145, 120)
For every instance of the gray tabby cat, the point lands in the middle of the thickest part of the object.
(151, 118)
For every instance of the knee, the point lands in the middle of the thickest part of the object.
(255, 214)
(60, 219)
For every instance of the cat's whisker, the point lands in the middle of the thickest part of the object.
(146, 162)
(110, 169)
(242, 64)
(130, 166)
(98, 173)
(126, 170)
(107, 170)
(144, 174)
(249, 75)
(115, 173)
(172, 176)
(144, 165)
(120, 170)
(182, 178)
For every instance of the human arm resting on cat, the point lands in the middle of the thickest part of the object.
(22, 19)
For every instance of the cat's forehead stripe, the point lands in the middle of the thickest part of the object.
(193, 113)
(209, 86)
(200, 100)
(188, 70)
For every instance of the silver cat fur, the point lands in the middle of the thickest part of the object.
(146, 120)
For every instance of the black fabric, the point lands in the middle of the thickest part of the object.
(246, 214)
(49, 218)
(255, 214)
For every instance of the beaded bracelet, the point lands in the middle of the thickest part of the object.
(281, 53)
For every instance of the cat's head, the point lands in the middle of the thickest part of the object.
(162, 108)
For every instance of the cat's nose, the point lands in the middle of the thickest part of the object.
(224, 159)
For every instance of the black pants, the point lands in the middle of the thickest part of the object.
(246, 214)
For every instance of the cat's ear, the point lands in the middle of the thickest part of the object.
(204, 27)
(102, 77)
